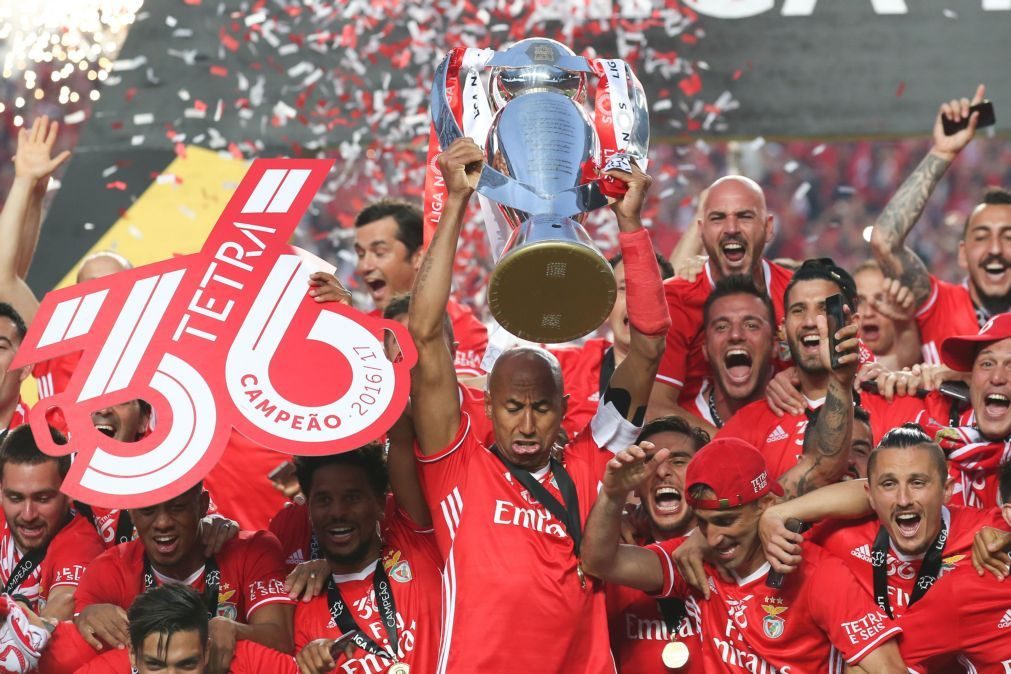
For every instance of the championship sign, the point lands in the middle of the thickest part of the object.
(224, 338)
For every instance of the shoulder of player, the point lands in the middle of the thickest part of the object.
(248, 542)
(291, 513)
(80, 534)
(968, 520)
(750, 417)
(690, 292)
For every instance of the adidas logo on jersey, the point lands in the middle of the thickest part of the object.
(862, 553)
(777, 434)
(1005, 621)
(295, 557)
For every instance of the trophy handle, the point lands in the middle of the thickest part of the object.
(446, 128)
(638, 145)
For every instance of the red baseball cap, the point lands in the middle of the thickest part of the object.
(732, 468)
(959, 352)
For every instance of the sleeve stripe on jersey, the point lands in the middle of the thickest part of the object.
(448, 611)
(269, 600)
(65, 583)
(670, 381)
(432, 458)
(452, 509)
(665, 559)
(934, 292)
(883, 637)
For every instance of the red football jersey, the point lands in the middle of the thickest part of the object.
(51, 377)
(699, 405)
(781, 439)
(806, 626)
(581, 375)
(853, 542)
(963, 614)
(240, 486)
(293, 530)
(948, 311)
(639, 632)
(20, 417)
(683, 365)
(251, 566)
(69, 553)
(471, 338)
(511, 564)
(414, 567)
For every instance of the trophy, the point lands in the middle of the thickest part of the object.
(542, 154)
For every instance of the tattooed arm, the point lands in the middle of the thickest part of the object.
(827, 441)
(889, 234)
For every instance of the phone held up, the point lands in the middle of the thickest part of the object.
(986, 118)
(836, 315)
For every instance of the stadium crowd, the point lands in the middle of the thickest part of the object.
(724, 481)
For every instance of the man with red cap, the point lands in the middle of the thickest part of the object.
(749, 623)
(977, 449)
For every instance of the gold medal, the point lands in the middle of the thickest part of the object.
(399, 668)
(674, 655)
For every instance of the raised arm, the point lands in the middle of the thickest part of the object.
(19, 219)
(603, 555)
(827, 442)
(434, 394)
(889, 234)
(648, 317)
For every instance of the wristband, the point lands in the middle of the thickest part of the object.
(644, 296)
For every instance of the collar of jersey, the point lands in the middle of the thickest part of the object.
(364, 573)
(194, 577)
(945, 515)
(753, 576)
(766, 273)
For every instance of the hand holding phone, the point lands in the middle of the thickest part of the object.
(835, 312)
(986, 118)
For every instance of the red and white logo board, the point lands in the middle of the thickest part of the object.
(220, 339)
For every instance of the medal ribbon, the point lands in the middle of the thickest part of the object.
(29, 563)
(212, 581)
(673, 612)
(387, 611)
(567, 514)
(929, 569)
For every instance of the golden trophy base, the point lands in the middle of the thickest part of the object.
(552, 291)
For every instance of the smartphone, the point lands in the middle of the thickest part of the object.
(836, 315)
(339, 644)
(986, 118)
(775, 579)
(282, 473)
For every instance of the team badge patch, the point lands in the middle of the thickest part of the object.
(398, 569)
(226, 608)
(772, 624)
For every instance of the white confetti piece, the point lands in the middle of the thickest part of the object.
(75, 117)
(143, 118)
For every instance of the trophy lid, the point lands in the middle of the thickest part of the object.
(540, 51)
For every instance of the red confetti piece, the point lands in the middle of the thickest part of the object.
(219, 71)
(116, 185)
(737, 74)
(130, 93)
(199, 105)
(691, 85)
(901, 89)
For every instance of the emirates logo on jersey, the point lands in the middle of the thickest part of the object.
(220, 339)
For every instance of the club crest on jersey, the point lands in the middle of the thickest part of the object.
(226, 608)
(219, 339)
(772, 624)
(949, 563)
(398, 569)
